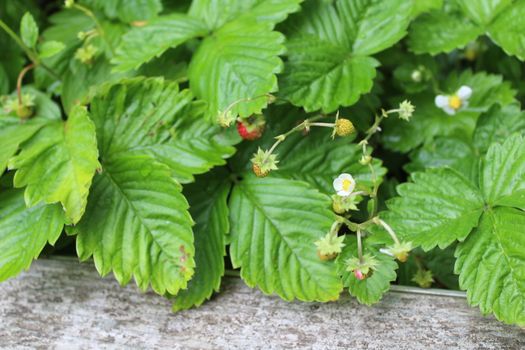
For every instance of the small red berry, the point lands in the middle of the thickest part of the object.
(251, 128)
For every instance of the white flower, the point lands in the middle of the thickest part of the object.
(452, 103)
(344, 185)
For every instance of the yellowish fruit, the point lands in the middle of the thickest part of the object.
(344, 127)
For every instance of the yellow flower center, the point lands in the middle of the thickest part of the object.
(346, 184)
(454, 102)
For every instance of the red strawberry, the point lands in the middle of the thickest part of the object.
(251, 128)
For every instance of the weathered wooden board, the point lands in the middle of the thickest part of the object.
(63, 304)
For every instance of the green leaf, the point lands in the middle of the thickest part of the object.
(497, 125)
(503, 176)
(135, 112)
(28, 30)
(370, 290)
(483, 11)
(127, 11)
(328, 48)
(451, 152)
(216, 13)
(439, 207)
(153, 117)
(141, 44)
(197, 147)
(81, 81)
(136, 224)
(275, 223)
(50, 48)
(238, 62)
(421, 6)
(439, 31)
(491, 265)
(209, 207)
(25, 231)
(58, 164)
(12, 133)
(320, 75)
(374, 25)
(508, 29)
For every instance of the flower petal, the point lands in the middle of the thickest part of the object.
(464, 92)
(441, 101)
(344, 193)
(338, 184)
(449, 110)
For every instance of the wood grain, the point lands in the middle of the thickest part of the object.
(66, 305)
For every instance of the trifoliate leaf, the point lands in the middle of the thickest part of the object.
(153, 117)
(50, 48)
(439, 207)
(142, 44)
(127, 11)
(216, 13)
(58, 164)
(328, 48)
(209, 208)
(275, 223)
(371, 289)
(491, 265)
(502, 179)
(237, 64)
(12, 133)
(137, 225)
(25, 231)
(28, 30)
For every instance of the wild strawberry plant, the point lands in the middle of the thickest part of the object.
(318, 145)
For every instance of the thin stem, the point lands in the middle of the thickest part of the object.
(335, 227)
(19, 41)
(19, 82)
(373, 195)
(327, 125)
(302, 126)
(388, 229)
(359, 247)
(91, 15)
(351, 225)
